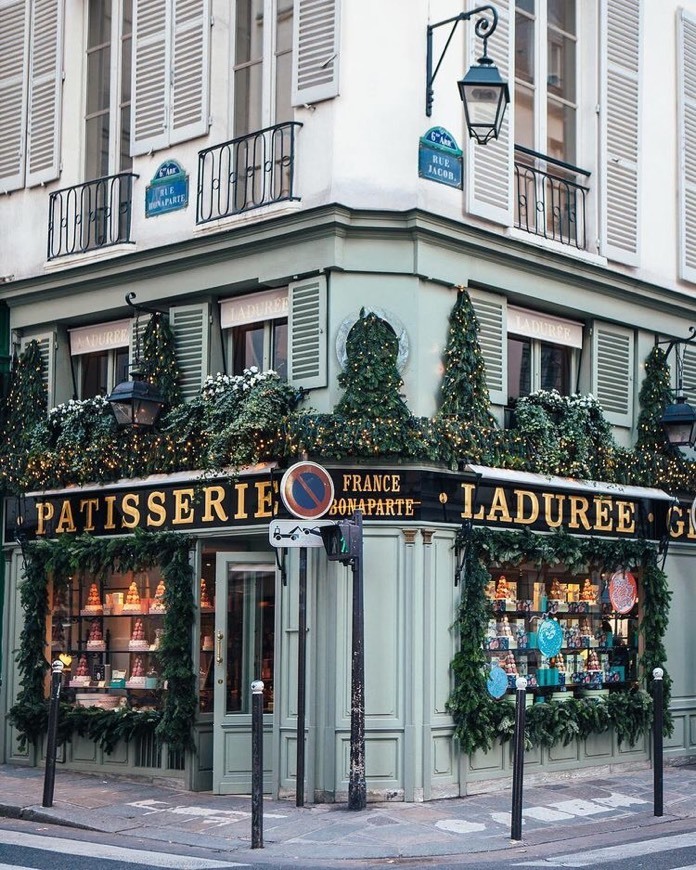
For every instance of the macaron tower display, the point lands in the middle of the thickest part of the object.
(206, 603)
(94, 604)
(138, 640)
(132, 603)
(157, 603)
(95, 638)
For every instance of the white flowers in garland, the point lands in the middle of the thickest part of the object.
(216, 386)
(74, 411)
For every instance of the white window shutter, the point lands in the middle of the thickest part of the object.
(14, 34)
(613, 349)
(45, 89)
(150, 75)
(489, 168)
(687, 146)
(307, 365)
(621, 29)
(190, 101)
(315, 50)
(47, 350)
(491, 313)
(190, 325)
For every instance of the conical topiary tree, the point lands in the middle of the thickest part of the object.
(464, 392)
(463, 427)
(158, 363)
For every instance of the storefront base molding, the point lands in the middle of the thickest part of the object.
(599, 754)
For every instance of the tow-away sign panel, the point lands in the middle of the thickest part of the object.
(297, 533)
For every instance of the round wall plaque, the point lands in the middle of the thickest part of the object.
(623, 591)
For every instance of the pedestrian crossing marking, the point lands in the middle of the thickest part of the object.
(590, 858)
(146, 858)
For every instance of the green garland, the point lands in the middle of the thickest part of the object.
(60, 559)
(479, 719)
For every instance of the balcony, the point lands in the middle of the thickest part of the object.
(92, 215)
(550, 199)
(246, 173)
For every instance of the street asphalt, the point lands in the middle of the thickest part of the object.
(587, 804)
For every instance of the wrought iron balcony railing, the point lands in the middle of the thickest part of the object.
(550, 200)
(94, 214)
(247, 172)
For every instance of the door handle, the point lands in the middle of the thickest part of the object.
(218, 658)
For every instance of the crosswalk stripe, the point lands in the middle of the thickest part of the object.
(617, 853)
(100, 850)
(14, 867)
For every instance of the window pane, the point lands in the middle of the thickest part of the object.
(561, 66)
(247, 347)
(527, 5)
(524, 117)
(250, 637)
(555, 368)
(561, 131)
(524, 48)
(121, 367)
(283, 88)
(94, 375)
(561, 14)
(247, 100)
(98, 79)
(97, 147)
(519, 368)
(279, 357)
(99, 22)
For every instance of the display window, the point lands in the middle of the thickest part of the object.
(566, 633)
(108, 632)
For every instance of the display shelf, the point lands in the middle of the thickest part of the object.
(590, 647)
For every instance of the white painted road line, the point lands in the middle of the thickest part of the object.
(99, 850)
(617, 853)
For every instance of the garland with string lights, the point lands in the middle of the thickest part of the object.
(158, 365)
(58, 561)
(24, 407)
(479, 719)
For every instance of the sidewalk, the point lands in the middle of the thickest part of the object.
(576, 807)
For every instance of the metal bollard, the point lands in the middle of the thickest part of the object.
(257, 764)
(50, 775)
(518, 760)
(658, 722)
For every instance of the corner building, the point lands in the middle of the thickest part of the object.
(262, 171)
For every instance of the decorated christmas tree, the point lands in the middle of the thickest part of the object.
(158, 364)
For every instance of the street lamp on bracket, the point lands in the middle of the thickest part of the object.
(482, 90)
(679, 418)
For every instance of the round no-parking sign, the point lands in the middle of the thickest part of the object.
(307, 490)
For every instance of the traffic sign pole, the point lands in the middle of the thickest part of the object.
(357, 788)
(301, 679)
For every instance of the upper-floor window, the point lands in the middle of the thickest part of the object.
(100, 357)
(257, 331)
(107, 110)
(262, 64)
(542, 353)
(546, 53)
(31, 56)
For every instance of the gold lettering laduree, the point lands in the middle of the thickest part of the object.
(553, 510)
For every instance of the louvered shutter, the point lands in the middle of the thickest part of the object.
(612, 372)
(47, 350)
(689, 372)
(150, 73)
(45, 88)
(14, 34)
(307, 365)
(190, 83)
(687, 146)
(315, 50)
(491, 313)
(489, 168)
(189, 324)
(621, 126)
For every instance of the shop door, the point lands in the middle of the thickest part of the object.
(245, 616)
